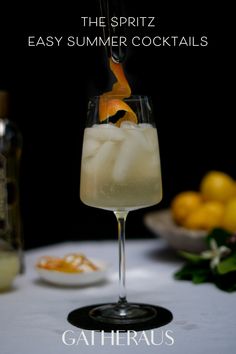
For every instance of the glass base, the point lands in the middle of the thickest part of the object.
(121, 313)
(114, 317)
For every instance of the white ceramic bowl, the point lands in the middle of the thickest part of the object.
(162, 224)
(74, 279)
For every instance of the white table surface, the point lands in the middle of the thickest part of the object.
(33, 314)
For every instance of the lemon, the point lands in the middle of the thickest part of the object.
(217, 186)
(183, 204)
(206, 216)
(229, 219)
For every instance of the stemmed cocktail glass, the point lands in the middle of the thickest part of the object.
(120, 172)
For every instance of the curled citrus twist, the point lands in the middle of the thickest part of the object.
(70, 263)
(112, 102)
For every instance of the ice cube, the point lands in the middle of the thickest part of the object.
(128, 125)
(126, 159)
(105, 125)
(90, 147)
(105, 132)
(103, 158)
(87, 166)
(145, 125)
(141, 139)
(152, 138)
(147, 136)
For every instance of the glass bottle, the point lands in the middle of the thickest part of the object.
(10, 149)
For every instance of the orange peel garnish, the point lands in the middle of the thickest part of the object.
(71, 263)
(112, 102)
(110, 107)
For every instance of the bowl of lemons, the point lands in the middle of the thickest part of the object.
(193, 214)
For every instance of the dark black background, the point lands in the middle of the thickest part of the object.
(50, 89)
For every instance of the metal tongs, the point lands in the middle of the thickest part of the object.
(110, 8)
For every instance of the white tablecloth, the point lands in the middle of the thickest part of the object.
(33, 314)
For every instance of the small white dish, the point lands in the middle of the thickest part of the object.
(74, 279)
(162, 224)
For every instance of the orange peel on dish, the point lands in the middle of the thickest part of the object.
(71, 263)
(112, 102)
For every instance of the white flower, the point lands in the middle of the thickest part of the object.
(215, 253)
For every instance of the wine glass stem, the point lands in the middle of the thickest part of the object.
(121, 219)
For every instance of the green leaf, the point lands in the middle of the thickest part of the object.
(201, 276)
(227, 265)
(221, 236)
(193, 272)
(184, 273)
(192, 257)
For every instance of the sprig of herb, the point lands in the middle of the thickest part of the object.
(216, 265)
